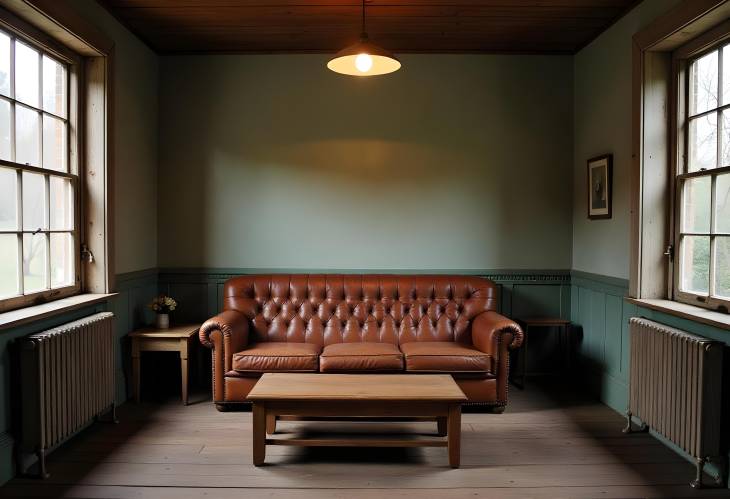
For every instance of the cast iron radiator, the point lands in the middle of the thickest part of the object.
(68, 381)
(675, 386)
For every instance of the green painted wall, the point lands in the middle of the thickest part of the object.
(457, 161)
(602, 109)
(135, 125)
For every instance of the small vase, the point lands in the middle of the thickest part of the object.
(163, 321)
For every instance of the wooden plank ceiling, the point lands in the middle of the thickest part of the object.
(291, 26)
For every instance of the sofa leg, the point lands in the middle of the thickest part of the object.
(222, 407)
(233, 406)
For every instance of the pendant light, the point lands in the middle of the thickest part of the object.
(364, 58)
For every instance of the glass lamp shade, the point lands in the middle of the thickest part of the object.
(363, 59)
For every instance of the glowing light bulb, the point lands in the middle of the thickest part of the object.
(363, 63)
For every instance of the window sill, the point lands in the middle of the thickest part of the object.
(25, 315)
(685, 311)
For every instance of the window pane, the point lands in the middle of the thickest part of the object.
(34, 201)
(27, 136)
(54, 87)
(722, 267)
(4, 64)
(8, 265)
(703, 142)
(726, 74)
(725, 138)
(54, 144)
(722, 203)
(695, 264)
(696, 204)
(8, 199)
(61, 204)
(27, 79)
(61, 260)
(35, 258)
(703, 79)
(5, 144)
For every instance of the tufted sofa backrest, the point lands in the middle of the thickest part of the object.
(329, 308)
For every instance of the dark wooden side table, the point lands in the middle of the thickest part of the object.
(175, 339)
(553, 323)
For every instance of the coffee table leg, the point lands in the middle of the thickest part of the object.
(259, 434)
(454, 435)
(270, 423)
(441, 425)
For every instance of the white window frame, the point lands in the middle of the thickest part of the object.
(27, 35)
(681, 61)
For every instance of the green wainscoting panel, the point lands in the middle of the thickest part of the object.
(11, 384)
(600, 315)
(134, 291)
(199, 293)
(594, 303)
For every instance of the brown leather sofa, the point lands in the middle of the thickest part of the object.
(361, 324)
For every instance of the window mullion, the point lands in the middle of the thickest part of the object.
(47, 235)
(718, 145)
(40, 112)
(12, 101)
(19, 218)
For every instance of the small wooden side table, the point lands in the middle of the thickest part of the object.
(527, 323)
(174, 339)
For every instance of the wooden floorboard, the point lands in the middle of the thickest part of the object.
(551, 442)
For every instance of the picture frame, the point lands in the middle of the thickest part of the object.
(600, 187)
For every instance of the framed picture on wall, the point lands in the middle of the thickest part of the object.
(600, 186)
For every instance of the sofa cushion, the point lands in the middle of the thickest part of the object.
(278, 356)
(361, 356)
(445, 357)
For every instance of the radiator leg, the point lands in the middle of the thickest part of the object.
(721, 479)
(627, 428)
(110, 416)
(42, 473)
(697, 482)
(113, 414)
(643, 427)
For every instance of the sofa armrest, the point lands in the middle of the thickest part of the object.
(231, 323)
(227, 332)
(489, 329)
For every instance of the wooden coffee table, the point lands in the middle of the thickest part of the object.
(423, 396)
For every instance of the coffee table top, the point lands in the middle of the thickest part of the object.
(298, 386)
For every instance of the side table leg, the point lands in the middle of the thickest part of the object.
(135, 370)
(184, 369)
(259, 434)
(569, 346)
(454, 435)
